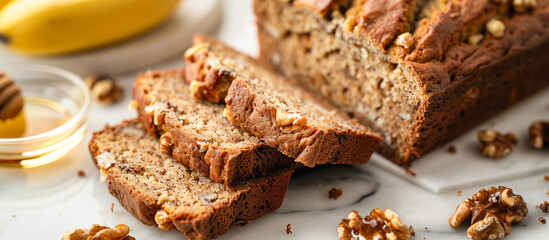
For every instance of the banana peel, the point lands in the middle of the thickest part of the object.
(3, 3)
(55, 27)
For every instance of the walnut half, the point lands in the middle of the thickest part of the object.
(539, 134)
(491, 212)
(495, 144)
(98, 232)
(380, 224)
(286, 119)
(104, 88)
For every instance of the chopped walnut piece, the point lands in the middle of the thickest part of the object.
(496, 145)
(285, 119)
(133, 105)
(412, 231)
(189, 54)
(475, 39)
(496, 28)
(544, 207)
(380, 224)
(491, 212)
(349, 24)
(206, 80)
(452, 149)
(405, 40)
(408, 170)
(524, 5)
(542, 220)
(104, 88)
(208, 198)
(323, 7)
(335, 193)
(97, 232)
(163, 220)
(539, 134)
(289, 229)
(166, 145)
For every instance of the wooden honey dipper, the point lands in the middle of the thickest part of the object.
(11, 100)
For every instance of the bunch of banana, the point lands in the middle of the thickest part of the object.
(53, 27)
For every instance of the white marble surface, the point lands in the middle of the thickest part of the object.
(43, 203)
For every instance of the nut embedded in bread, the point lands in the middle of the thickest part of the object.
(419, 73)
(196, 134)
(280, 112)
(161, 192)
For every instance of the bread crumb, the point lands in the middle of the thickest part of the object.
(546, 178)
(458, 193)
(13, 215)
(426, 228)
(408, 170)
(289, 229)
(452, 149)
(542, 220)
(81, 173)
(133, 105)
(335, 193)
(544, 207)
(112, 207)
(412, 232)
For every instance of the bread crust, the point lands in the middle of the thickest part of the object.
(456, 85)
(310, 144)
(231, 166)
(247, 202)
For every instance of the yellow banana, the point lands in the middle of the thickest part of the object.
(3, 3)
(52, 27)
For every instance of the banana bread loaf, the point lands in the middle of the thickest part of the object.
(275, 109)
(419, 73)
(196, 134)
(161, 192)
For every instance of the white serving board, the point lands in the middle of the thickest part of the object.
(168, 40)
(442, 171)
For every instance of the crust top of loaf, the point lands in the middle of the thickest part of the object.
(441, 53)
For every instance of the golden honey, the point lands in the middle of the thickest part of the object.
(53, 119)
(39, 115)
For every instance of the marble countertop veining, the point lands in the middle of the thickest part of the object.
(43, 203)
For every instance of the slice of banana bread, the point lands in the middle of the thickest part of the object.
(275, 109)
(196, 134)
(419, 73)
(161, 192)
